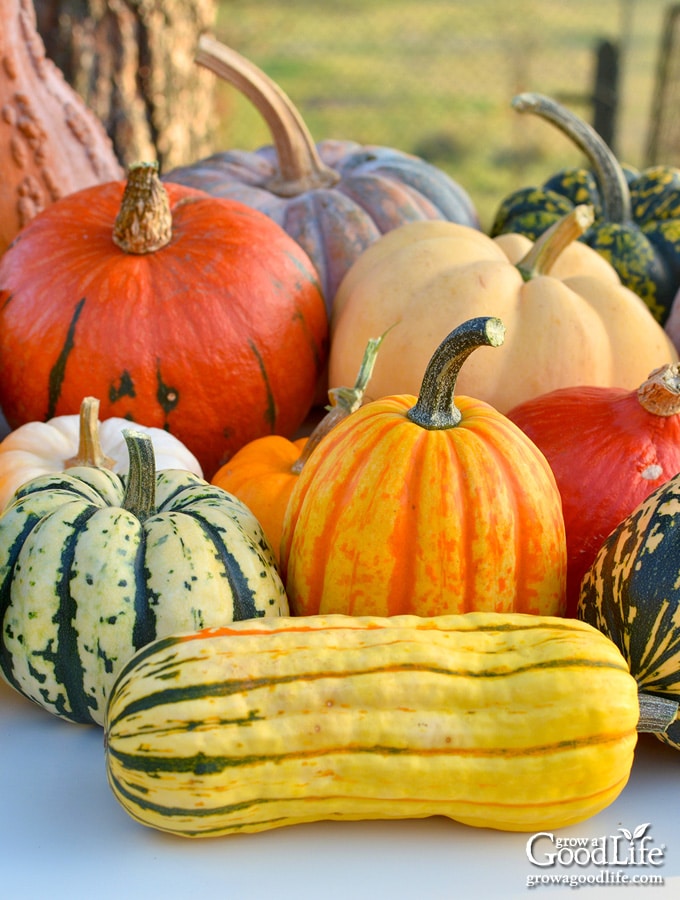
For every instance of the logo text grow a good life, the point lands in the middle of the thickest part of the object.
(626, 858)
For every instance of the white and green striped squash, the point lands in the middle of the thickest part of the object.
(631, 593)
(95, 565)
(509, 721)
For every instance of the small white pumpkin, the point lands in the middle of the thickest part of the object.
(43, 448)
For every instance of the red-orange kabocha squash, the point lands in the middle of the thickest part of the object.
(426, 506)
(178, 310)
(609, 448)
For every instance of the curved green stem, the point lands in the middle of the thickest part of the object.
(140, 489)
(611, 178)
(343, 402)
(300, 166)
(435, 408)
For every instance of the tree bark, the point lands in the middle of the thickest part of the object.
(132, 62)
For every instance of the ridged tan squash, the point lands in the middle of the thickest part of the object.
(569, 321)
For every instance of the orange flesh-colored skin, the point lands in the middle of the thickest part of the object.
(261, 476)
(390, 518)
(194, 325)
(607, 453)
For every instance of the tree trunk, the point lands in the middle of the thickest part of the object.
(132, 62)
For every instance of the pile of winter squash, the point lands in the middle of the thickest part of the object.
(283, 611)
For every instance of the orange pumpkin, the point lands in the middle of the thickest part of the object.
(426, 506)
(264, 472)
(178, 310)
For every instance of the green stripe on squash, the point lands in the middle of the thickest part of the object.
(267, 723)
(632, 594)
(93, 566)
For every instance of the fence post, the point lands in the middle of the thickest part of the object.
(606, 91)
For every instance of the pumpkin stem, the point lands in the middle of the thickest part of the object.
(140, 488)
(435, 408)
(343, 402)
(657, 714)
(300, 166)
(90, 451)
(611, 179)
(541, 257)
(660, 393)
(144, 221)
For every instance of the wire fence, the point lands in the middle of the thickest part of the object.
(436, 77)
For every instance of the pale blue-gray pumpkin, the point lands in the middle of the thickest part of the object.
(334, 197)
(94, 565)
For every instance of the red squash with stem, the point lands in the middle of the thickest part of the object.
(609, 448)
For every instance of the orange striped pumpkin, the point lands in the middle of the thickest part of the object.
(426, 506)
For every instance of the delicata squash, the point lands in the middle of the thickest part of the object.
(507, 721)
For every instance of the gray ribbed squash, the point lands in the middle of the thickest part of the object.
(93, 566)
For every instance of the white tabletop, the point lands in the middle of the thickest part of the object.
(63, 834)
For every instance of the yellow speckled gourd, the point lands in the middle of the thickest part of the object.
(507, 721)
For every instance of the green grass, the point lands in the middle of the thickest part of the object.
(436, 78)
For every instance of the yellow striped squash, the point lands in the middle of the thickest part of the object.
(94, 565)
(507, 721)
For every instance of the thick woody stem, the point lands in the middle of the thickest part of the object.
(144, 221)
(140, 489)
(435, 408)
(660, 393)
(611, 179)
(541, 257)
(657, 714)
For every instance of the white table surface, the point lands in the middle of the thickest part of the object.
(64, 835)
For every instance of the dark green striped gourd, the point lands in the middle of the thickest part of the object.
(93, 566)
(632, 594)
(498, 720)
(637, 213)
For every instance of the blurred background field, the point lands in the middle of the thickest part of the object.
(436, 78)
